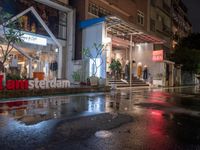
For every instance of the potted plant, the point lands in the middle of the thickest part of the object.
(115, 67)
(76, 77)
(97, 61)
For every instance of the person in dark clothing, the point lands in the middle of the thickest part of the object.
(54, 66)
(127, 70)
(145, 73)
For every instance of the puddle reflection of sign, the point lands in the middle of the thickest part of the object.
(157, 56)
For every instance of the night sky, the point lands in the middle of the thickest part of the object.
(193, 13)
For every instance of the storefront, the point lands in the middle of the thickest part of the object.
(43, 51)
(37, 51)
(127, 44)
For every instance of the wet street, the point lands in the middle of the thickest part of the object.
(125, 119)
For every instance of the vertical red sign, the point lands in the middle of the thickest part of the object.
(157, 55)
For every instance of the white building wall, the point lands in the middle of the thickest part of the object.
(68, 69)
(91, 35)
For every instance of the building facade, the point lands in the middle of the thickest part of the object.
(160, 24)
(181, 26)
(131, 11)
(125, 25)
(47, 37)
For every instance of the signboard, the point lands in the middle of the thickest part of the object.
(32, 39)
(32, 84)
(157, 56)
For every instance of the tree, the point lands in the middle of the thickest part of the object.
(187, 53)
(116, 67)
(192, 41)
(11, 35)
(95, 56)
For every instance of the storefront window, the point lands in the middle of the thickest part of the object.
(62, 25)
(43, 61)
(140, 17)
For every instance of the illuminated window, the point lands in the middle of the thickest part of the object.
(97, 10)
(152, 25)
(140, 17)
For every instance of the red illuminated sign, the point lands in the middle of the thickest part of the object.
(14, 84)
(157, 55)
(32, 84)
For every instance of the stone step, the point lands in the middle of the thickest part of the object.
(127, 83)
(139, 81)
(125, 80)
(119, 83)
(133, 85)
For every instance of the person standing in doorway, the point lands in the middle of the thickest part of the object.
(145, 73)
(127, 70)
(139, 70)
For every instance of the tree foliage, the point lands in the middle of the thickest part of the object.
(187, 53)
(95, 56)
(115, 66)
(191, 42)
(11, 35)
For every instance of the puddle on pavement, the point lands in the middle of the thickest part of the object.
(156, 115)
(35, 111)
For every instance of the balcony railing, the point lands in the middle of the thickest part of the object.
(176, 37)
(61, 2)
(166, 7)
(166, 29)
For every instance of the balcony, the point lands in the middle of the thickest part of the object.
(166, 29)
(176, 37)
(62, 2)
(166, 8)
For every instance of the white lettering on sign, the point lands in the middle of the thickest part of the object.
(34, 39)
(157, 55)
(46, 84)
(32, 84)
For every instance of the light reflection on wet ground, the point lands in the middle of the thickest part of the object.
(40, 109)
(34, 111)
(162, 117)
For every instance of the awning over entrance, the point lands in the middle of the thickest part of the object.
(122, 29)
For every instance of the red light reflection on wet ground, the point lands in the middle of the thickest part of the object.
(158, 97)
(15, 105)
(156, 129)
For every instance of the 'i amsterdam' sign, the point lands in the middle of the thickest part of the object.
(33, 84)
